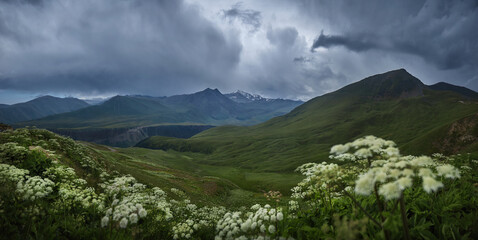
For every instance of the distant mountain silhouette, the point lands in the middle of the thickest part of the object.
(443, 86)
(38, 108)
(208, 107)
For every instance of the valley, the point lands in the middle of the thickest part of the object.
(137, 150)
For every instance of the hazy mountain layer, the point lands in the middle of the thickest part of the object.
(208, 107)
(38, 108)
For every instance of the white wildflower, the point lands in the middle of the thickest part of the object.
(364, 185)
(280, 216)
(123, 223)
(272, 229)
(142, 213)
(404, 182)
(431, 185)
(448, 171)
(339, 149)
(133, 218)
(104, 221)
(425, 172)
(363, 153)
(422, 161)
(390, 191)
(381, 176)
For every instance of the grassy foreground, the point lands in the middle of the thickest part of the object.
(55, 188)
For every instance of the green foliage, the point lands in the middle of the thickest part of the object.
(78, 192)
(36, 162)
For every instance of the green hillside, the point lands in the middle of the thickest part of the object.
(394, 105)
(156, 168)
(38, 108)
(119, 111)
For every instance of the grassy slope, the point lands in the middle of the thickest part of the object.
(203, 184)
(213, 184)
(307, 133)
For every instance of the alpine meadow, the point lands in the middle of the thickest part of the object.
(123, 119)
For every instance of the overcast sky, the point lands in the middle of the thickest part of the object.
(295, 49)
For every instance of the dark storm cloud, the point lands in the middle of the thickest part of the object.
(358, 44)
(249, 17)
(92, 46)
(440, 32)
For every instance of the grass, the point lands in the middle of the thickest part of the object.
(203, 183)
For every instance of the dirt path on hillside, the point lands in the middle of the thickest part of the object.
(111, 149)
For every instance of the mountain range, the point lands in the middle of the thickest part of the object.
(125, 120)
(394, 105)
(208, 107)
(204, 107)
(38, 108)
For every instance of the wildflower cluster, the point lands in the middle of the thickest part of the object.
(398, 173)
(364, 149)
(35, 187)
(260, 222)
(76, 194)
(130, 200)
(12, 153)
(60, 173)
(11, 173)
(184, 230)
(193, 219)
(28, 187)
(323, 178)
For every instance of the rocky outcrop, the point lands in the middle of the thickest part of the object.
(459, 135)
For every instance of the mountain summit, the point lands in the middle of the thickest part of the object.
(244, 97)
(394, 84)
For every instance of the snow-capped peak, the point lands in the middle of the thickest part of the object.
(252, 97)
(245, 97)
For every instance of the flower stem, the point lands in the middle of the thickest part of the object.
(381, 208)
(361, 208)
(404, 219)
